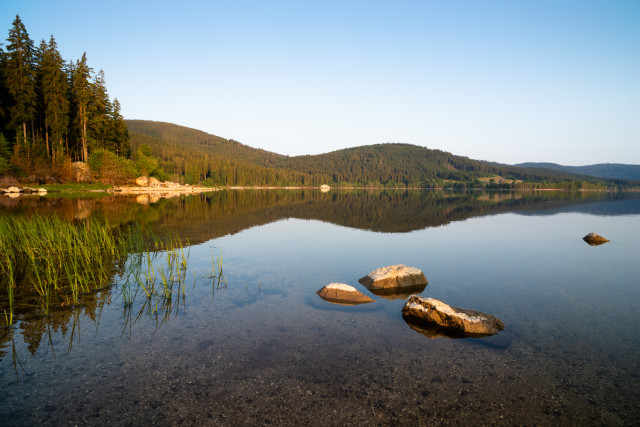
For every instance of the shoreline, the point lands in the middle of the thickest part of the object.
(170, 189)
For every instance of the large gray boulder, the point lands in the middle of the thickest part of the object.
(454, 321)
(339, 293)
(594, 240)
(394, 276)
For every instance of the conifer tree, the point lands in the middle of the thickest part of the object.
(119, 131)
(4, 95)
(39, 55)
(55, 90)
(20, 77)
(99, 115)
(81, 93)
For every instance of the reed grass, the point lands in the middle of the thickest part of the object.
(54, 259)
(55, 262)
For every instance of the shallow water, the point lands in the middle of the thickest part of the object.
(266, 349)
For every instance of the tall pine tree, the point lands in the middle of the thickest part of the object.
(81, 93)
(99, 115)
(119, 131)
(55, 89)
(20, 77)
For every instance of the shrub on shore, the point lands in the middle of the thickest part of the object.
(110, 168)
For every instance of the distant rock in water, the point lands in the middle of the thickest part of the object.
(339, 293)
(434, 318)
(394, 276)
(594, 240)
(324, 188)
(398, 293)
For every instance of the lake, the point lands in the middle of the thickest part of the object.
(260, 347)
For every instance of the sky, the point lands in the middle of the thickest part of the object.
(507, 81)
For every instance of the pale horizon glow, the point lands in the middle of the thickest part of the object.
(505, 81)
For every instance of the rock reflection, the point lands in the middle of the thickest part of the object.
(398, 293)
(433, 332)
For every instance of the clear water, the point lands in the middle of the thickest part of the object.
(266, 349)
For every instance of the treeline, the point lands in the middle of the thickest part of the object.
(52, 112)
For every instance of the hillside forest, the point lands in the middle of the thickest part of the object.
(195, 156)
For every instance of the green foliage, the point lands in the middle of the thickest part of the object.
(4, 165)
(5, 148)
(108, 167)
(146, 165)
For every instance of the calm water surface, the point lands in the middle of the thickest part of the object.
(265, 349)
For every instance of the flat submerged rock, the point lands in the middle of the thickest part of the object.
(340, 293)
(440, 319)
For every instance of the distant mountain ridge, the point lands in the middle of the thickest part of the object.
(600, 170)
(197, 156)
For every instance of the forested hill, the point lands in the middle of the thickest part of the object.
(188, 138)
(601, 170)
(199, 156)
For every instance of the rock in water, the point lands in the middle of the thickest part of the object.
(394, 276)
(594, 240)
(339, 293)
(453, 320)
(142, 181)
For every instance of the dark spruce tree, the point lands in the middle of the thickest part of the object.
(19, 74)
(81, 95)
(55, 102)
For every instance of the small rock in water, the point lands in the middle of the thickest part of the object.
(447, 320)
(339, 293)
(594, 240)
(394, 276)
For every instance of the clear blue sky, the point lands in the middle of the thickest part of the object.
(508, 81)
